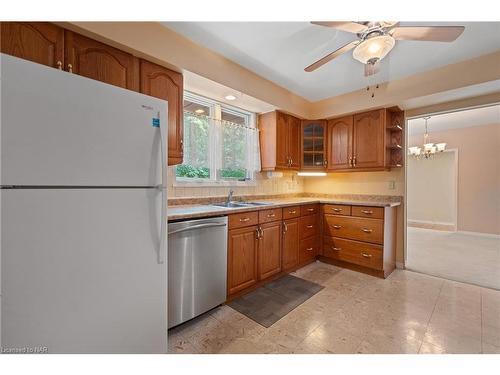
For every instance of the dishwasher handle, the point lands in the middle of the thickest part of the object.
(197, 226)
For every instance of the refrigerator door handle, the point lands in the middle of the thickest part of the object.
(163, 187)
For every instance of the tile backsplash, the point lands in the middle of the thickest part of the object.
(289, 183)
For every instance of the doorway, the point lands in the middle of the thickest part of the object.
(453, 195)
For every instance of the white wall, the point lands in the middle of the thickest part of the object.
(432, 187)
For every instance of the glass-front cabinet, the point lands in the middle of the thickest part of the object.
(313, 144)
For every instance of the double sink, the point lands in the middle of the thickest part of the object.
(234, 204)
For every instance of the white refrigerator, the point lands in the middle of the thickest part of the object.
(83, 214)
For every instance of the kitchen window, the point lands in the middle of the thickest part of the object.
(220, 144)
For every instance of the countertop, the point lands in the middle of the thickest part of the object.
(180, 212)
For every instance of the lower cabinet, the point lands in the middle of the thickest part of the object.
(242, 258)
(269, 249)
(290, 245)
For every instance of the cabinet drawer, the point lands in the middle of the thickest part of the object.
(361, 253)
(354, 228)
(367, 211)
(308, 249)
(291, 212)
(337, 209)
(243, 220)
(308, 226)
(266, 216)
(309, 209)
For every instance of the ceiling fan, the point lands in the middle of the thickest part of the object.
(377, 39)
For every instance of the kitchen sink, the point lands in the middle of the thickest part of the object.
(230, 204)
(258, 203)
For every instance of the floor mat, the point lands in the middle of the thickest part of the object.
(271, 302)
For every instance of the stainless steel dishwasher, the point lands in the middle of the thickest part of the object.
(197, 267)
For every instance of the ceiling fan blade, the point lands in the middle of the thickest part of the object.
(350, 27)
(372, 68)
(331, 56)
(427, 33)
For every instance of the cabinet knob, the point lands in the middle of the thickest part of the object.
(59, 65)
(336, 248)
(271, 215)
(70, 68)
(365, 255)
(310, 226)
(309, 249)
(337, 209)
(310, 209)
(366, 230)
(354, 161)
(350, 161)
(244, 219)
(337, 226)
(292, 212)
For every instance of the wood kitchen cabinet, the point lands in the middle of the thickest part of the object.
(269, 251)
(279, 141)
(40, 42)
(166, 84)
(243, 244)
(339, 143)
(290, 245)
(51, 45)
(96, 60)
(368, 141)
(313, 147)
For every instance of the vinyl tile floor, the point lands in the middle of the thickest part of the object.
(455, 256)
(408, 312)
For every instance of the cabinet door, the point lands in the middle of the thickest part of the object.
(40, 42)
(369, 134)
(290, 256)
(339, 133)
(92, 59)
(242, 259)
(166, 84)
(270, 250)
(313, 145)
(282, 155)
(294, 142)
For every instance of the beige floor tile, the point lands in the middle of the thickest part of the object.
(308, 347)
(428, 348)
(216, 338)
(179, 345)
(453, 341)
(491, 335)
(490, 349)
(382, 343)
(240, 346)
(332, 338)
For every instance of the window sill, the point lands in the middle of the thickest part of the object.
(201, 183)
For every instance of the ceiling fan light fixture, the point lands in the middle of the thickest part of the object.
(374, 48)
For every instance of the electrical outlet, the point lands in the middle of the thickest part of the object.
(392, 185)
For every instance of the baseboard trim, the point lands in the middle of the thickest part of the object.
(449, 227)
(480, 234)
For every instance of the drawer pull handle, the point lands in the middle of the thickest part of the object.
(366, 255)
(271, 215)
(310, 226)
(244, 219)
(367, 212)
(292, 212)
(337, 226)
(309, 249)
(337, 209)
(310, 209)
(285, 227)
(336, 248)
(366, 230)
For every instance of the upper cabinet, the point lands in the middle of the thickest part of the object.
(366, 141)
(51, 45)
(339, 143)
(279, 141)
(40, 42)
(92, 59)
(166, 84)
(313, 149)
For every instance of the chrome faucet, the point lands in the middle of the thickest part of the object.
(229, 196)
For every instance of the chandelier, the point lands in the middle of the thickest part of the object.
(428, 149)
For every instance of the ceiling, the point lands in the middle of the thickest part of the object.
(279, 51)
(454, 120)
